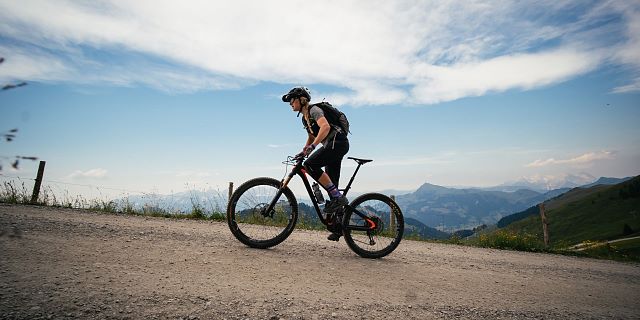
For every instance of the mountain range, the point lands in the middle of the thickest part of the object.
(454, 209)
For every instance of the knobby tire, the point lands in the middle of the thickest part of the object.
(386, 238)
(246, 219)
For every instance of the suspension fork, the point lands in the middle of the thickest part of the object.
(283, 185)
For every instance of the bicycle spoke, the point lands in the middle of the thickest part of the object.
(251, 224)
(374, 226)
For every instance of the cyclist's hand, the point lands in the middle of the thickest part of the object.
(299, 156)
(308, 149)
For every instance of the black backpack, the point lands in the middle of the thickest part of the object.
(335, 117)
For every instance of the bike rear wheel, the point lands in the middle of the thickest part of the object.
(247, 217)
(379, 232)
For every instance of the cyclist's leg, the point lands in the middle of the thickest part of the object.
(333, 168)
(315, 162)
(340, 148)
(330, 158)
(333, 172)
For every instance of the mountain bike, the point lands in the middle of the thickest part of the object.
(263, 212)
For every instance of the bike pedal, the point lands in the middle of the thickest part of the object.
(334, 237)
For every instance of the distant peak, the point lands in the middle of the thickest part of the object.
(429, 186)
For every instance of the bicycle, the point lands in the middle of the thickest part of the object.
(372, 224)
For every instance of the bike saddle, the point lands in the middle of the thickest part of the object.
(360, 161)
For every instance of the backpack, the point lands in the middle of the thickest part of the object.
(335, 117)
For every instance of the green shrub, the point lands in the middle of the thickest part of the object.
(197, 212)
(218, 216)
(109, 206)
(454, 239)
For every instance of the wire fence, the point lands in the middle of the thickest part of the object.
(202, 203)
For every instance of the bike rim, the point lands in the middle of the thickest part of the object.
(382, 224)
(251, 219)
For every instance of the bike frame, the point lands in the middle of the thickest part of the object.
(298, 169)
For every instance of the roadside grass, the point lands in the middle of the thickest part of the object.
(507, 240)
(12, 192)
(626, 250)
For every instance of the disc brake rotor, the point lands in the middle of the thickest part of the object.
(261, 209)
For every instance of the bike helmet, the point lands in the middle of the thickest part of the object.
(295, 93)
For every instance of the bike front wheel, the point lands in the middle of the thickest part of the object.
(248, 216)
(373, 225)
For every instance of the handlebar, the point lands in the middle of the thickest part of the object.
(293, 160)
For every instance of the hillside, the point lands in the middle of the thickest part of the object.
(607, 181)
(596, 213)
(415, 228)
(572, 195)
(560, 197)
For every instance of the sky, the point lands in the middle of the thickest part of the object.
(167, 96)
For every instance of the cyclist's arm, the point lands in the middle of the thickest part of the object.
(310, 138)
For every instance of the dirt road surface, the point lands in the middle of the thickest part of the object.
(61, 263)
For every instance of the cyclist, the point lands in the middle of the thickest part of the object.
(335, 145)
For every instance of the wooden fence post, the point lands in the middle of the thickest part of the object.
(36, 186)
(545, 225)
(230, 191)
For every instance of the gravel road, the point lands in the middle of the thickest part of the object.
(62, 263)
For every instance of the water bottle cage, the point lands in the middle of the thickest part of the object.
(317, 193)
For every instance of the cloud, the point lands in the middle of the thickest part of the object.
(629, 52)
(632, 87)
(523, 71)
(97, 173)
(555, 181)
(582, 159)
(32, 64)
(373, 52)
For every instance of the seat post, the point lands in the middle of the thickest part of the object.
(344, 192)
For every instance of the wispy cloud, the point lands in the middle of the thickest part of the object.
(555, 181)
(628, 53)
(97, 173)
(438, 83)
(375, 52)
(582, 159)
